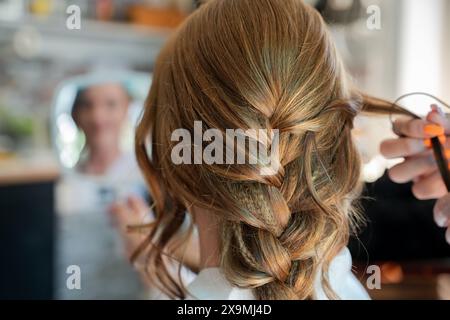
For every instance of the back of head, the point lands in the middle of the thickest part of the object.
(266, 64)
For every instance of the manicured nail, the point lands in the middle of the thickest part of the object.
(434, 130)
(436, 108)
(442, 139)
(441, 220)
(427, 143)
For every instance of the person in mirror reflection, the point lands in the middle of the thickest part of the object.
(88, 237)
(274, 229)
(100, 111)
(419, 165)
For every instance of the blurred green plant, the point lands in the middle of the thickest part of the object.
(15, 126)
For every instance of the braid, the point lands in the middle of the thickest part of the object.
(280, 255)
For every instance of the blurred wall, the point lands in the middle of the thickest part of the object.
(423, 53)
(446, 40)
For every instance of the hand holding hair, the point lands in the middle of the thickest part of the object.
(414, 145)
(419, 165)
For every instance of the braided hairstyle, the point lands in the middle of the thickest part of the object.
(246, 64)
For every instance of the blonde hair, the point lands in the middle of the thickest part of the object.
(245, 64)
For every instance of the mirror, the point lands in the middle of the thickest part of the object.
(69, 140)
(93, 123)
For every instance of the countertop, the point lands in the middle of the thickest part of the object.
(20, 169)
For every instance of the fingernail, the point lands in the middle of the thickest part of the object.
(441, 220)
(428, 143)
(433, 130)
(436, 108)
(442, 139)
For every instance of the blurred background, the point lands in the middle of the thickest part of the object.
(67, 95)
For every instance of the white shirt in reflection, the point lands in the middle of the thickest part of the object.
(78, 192)
(87, 238)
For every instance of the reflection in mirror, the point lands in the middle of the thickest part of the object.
(94, 119)
(68, 137)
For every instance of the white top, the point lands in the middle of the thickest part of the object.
(82, 193)
(211, 284)
(87, 238)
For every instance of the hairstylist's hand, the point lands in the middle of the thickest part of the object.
(414, 145)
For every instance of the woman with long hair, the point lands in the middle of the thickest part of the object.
(254, 65)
